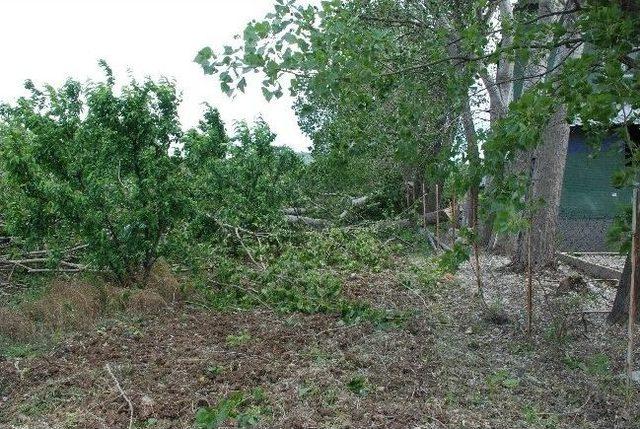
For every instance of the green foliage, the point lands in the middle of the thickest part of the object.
(619, 234)
(244, 182)
(86, 164)
(245, 410)
(359, 385)
(304, 274)
(502, 379)
(239, 339)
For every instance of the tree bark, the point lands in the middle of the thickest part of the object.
(620, 309)
(546, 187)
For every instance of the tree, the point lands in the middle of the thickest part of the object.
(243, 182)
(85, 164)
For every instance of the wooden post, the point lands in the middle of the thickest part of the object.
(437, 212)
(424, 206)
(529, 303)
(529, 285)
(633, 293)
(454, 213)
(406, 193)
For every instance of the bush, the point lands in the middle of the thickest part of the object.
(86, 164)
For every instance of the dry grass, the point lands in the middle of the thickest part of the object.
(164, 282)
(146, 302)
(15, 325)
(68, 304)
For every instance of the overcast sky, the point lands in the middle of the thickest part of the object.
(49, 41)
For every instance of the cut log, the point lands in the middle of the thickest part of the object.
(294, 211)
(355, 202)
(443, 215)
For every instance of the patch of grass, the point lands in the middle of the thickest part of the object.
(502, 379)
(597, 364)
(11, 349)
(359, 385)
(532, 415)
(238, 339)
(245, 410)
(213, 371)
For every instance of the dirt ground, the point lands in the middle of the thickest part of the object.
(454, 364)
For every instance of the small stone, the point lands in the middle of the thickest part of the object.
(635, 376)
(469, 330)
(147, 401)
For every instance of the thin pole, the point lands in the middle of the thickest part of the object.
(473, 212)
(633, 293)
(437, 211)
(529, 303)
(529, 285)
(424, 206)
(454, 210)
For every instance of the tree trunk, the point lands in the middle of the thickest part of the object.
(620, 309)
(546, 186)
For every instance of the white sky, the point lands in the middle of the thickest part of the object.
(49, 41)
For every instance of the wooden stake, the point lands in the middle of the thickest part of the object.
(529, 303)
(633, 293)
(454, 213)
(424, 206)
(438, 211)
(529, 285)
(474, 225)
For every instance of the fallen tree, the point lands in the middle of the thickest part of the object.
(308, 221)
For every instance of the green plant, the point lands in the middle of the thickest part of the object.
(87, 164)
(246, 410)
(502, 378)
(239, 339)
(216, 416)
(359, 385)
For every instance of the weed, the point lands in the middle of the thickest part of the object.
(359, 385)
(239, 339)
(146, 302)
(15, 325)
(213, 371)
(214, 417)
(502, 378)
(246, 410)
(598, 364)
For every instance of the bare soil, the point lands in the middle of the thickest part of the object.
(454, 364)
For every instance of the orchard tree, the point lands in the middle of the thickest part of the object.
(92, 165)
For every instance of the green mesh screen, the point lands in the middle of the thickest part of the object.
(587, 192)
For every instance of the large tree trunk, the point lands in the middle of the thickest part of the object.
(546, 186)
(620, 309)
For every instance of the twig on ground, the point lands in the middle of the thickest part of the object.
(124, 395)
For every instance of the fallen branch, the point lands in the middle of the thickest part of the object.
(308, 221)
(355, 202)
(124, 395)
(294, 211)
(261, 266)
